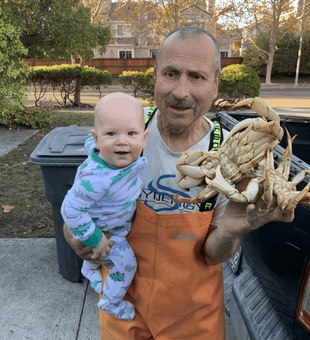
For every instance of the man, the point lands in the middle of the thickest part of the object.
(178, 288)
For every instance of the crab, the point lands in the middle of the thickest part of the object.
(269, 186)
(244, 147)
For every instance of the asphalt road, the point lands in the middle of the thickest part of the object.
(285, 99)
(285, 92)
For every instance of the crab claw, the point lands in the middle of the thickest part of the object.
(187, 182)
(193, 157)
(260, 107)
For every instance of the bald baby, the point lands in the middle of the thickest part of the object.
(119, 132)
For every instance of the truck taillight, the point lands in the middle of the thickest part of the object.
(303, 307)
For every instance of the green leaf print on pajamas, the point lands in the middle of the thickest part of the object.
(81, 229)
(87, 186)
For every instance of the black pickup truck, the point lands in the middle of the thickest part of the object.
(267, 282)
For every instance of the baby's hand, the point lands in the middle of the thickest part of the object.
(102, 249)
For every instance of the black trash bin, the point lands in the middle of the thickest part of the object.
(59, 154)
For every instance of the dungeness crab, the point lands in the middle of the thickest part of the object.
(244, 147)
(269, 186)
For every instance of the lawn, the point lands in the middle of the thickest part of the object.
(22, 185)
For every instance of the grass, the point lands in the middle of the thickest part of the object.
(22, 185)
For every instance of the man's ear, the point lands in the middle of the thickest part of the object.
(94, 134)
(216, 86)
(146, 133)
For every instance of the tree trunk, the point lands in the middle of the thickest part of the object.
(77, 94)
(269, 69)
(272, 45)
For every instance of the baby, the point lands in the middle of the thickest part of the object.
(103, 197)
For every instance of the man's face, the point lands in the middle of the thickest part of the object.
(185, 80)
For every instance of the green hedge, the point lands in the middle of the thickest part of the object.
(141, 83)
(64, 78)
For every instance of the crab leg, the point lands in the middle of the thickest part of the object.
(287, 155)
(291, 203)
(268, 185)
(230, 192)
(204, 195)
(300, 177)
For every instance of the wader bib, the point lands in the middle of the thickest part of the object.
(176, 294)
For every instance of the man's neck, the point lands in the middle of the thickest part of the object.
(181, 139)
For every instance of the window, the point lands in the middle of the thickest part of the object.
(125, 54)
(224, 54)
(120, 30)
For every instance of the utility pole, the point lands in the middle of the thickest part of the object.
(303, 11)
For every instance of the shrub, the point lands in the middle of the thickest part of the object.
(141, 83)
(238, 82)
(13, 70)
(29, 117)
(64, 78)
(97, 79)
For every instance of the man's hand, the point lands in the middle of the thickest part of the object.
(238, 220)
(81, 250)
(242, 218)
(102, 249)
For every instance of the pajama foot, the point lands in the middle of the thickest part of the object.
(93, 274)
(123, 310)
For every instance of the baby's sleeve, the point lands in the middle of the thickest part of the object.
(85, 192)
(89, 144)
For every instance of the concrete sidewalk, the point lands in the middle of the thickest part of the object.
(37, 303)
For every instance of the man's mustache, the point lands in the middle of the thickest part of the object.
(183, 103)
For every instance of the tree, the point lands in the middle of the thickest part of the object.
(285, 58)
(56, 28)
(279, 17)
(97, 8)
(150, 21)
(13, 70)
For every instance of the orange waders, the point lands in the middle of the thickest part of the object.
(176, 294)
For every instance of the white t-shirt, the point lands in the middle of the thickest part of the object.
(158, 177)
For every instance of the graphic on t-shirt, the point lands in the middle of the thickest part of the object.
(159, 194)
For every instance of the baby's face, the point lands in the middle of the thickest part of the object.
(120, 136)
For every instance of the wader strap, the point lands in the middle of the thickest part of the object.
(216, 139)
(148, 118)
(150, 115)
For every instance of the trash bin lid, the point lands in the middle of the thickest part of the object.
(63, 146)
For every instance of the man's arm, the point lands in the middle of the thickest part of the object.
(238, 219)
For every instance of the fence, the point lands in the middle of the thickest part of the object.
(116, 66)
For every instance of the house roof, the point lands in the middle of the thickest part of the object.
(194, 7)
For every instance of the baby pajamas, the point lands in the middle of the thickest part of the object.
(104, 199)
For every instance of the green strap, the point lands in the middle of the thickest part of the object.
(149, 115)
(216, 136)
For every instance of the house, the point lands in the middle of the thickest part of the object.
(128, 44)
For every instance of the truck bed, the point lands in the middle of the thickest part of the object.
(262, 283)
